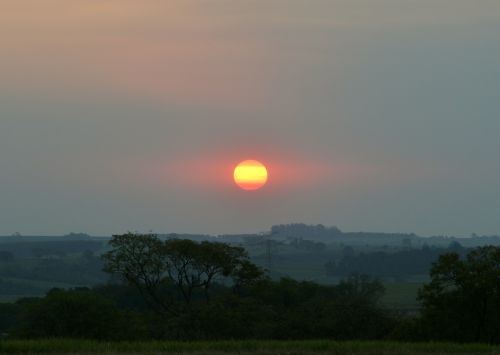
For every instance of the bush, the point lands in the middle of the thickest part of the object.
(77, 314)
(462, 301)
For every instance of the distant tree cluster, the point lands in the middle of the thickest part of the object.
(301, 230)
(308, 245)
(383, 264)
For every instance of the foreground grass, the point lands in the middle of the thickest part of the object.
(61, 346)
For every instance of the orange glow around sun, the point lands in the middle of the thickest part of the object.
(250, 175)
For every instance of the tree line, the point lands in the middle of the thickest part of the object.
(395, 264)
(181, 289)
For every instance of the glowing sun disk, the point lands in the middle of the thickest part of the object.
(250, 175)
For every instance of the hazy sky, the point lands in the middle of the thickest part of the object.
(375, 115)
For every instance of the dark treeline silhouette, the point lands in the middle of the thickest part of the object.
(462, 301)
(396, 264)
(53, 268)
(182, 289)
(301, 230)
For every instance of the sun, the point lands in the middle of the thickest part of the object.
(250, 175)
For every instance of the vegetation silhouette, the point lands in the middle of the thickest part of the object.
(179, 289)
(462, 302)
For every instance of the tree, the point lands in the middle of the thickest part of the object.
(176, 269)
(462, 301)
(196, 265)
(139, 260)
(361, 289)
(9, 317)
(246, 274)
(75, 314)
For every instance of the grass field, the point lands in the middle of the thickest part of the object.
(401, 295)
(66, 346)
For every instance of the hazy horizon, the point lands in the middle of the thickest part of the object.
(130, 115)
(255, 232)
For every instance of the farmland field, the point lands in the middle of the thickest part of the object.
(401, 295)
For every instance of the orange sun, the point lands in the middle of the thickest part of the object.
(250, 175)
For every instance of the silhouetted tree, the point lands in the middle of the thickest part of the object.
(153, 266)
(462, 302)
(75, 314)
(384, 264)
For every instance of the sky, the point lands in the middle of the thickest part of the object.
(129, 115)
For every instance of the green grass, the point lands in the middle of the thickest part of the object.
(60, 346)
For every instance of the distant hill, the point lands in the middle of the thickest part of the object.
(295, 231)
